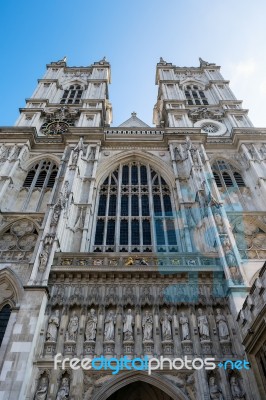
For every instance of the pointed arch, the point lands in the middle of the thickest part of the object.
(119, 381)
(111, 163)
(11, 289)
(46, 156)
(136, 205)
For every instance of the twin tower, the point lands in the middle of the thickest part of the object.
(132, 241)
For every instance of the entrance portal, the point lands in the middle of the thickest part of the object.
(139, 391)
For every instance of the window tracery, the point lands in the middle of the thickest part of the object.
(226, 176)
(72, 95)
(42, 175)
(18, 241)
(135, 212)
(195, 95)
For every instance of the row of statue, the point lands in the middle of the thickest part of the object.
(64, 389)
(128, 324)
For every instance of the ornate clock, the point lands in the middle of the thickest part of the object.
(56, 127)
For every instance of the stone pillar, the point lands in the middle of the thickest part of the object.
(18, 365)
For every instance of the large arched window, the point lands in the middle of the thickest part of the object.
(226, 176)
(135, 212)
(40, 178)
(41, 174)
(4, 318)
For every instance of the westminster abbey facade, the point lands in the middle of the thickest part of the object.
(135, 241)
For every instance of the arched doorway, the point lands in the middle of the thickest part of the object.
(140, 391)
(139, 386)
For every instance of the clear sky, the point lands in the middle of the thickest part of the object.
(133, 35)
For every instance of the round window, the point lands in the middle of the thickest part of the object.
(210, 128)
(213, 128)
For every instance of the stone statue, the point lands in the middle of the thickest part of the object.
(237, 392)
(90, 331)
(129, 261)
(56, 214)
(231, 261)
(14, 153)
(178, 155)
(204, 63)
(72, 329)
(42, 389)
(219, 223)
(109, 328)
(51, 334)
(128, 325)
(215, 390)
(63, 391)
(44, 257)
(222, 325)
(162, 61)
(203, 326)
(166, 325)
(147, 322)
(4, 152)
(142, 261)
(185, 328)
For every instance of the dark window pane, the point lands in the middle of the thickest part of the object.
(134, 175)
(4, 317)
(217, 179)
(110, 237)
(102, 205)
(197, 101)
(171, 234)
(157, 205)
(190, 102)
(125, 175)
(239, 180)
(145, 205)
(143, 175)
(124, 232)
(167, 205)
(29, 179)
(40, 179)
(134, 205)
(99, 232)
(135, 232)
(51, 180)
(159, 232)
(205, 102)
(112, 205)
(146, 232)
(124, 205)
(227, 179)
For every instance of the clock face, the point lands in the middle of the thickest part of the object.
(55, 127)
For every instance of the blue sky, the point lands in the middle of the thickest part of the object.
(133, 35)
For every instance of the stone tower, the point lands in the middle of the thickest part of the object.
(131, 241)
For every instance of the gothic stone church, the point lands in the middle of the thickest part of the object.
(133, 240)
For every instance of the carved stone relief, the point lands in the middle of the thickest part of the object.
(19, 238)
